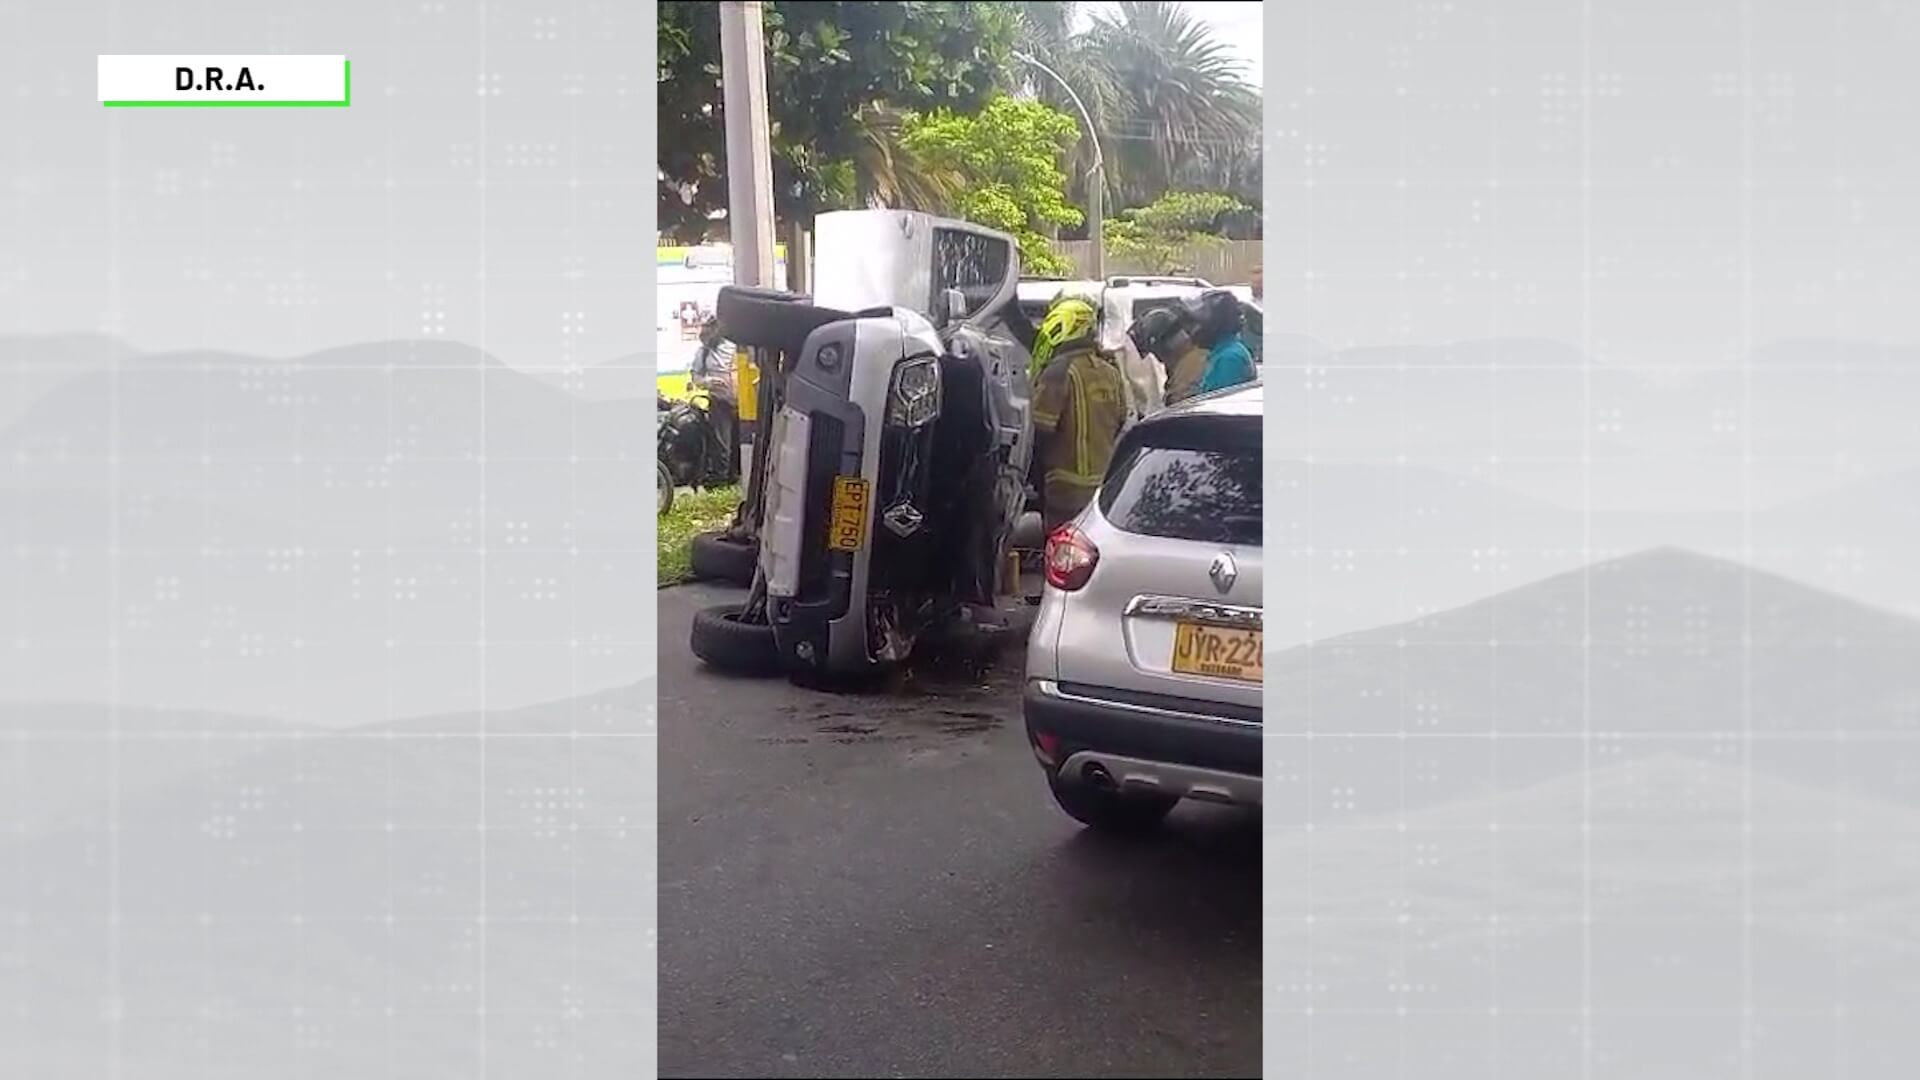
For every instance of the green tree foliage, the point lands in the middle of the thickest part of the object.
(1054, 32)
(847, 79)
(1234, 168)
(1005, 161)
(1187, 113)
(1171, 104)
(1161, 233)
(840, 76)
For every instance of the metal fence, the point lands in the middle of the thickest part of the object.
(1230, 262)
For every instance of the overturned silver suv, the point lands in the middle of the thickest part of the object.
(894, 469)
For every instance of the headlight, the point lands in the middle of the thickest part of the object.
(914, 398)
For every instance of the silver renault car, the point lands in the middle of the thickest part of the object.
(1144, 668)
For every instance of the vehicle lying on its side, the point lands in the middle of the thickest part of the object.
(893, 469)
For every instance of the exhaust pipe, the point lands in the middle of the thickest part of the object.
(1097, 775)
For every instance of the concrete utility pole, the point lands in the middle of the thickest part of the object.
(1096, 176)
(743, 80)
(743, 74)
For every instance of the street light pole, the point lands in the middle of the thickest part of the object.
(1096, 176)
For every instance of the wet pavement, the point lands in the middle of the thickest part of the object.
(878, 884)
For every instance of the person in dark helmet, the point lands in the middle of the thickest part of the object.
(1219, 321)
(1168, 335)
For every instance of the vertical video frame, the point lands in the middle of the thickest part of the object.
(960, 515)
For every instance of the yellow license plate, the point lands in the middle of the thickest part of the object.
(1217, 652)
(847, 528)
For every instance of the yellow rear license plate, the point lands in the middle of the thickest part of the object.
(847, 528)
(1218, 652)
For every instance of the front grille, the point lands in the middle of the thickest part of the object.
(904, 564)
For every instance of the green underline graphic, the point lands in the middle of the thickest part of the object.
(345, 100)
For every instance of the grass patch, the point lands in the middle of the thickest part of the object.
(693, 512)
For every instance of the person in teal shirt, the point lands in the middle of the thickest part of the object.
(1229, 361)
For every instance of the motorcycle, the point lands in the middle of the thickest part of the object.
(697, 439)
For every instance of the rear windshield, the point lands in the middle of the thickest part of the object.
(1210, 496)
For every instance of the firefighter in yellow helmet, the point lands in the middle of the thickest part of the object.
(1078, 409)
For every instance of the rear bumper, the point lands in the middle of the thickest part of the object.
(1182, 745)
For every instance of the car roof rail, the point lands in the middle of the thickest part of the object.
(1157, 279)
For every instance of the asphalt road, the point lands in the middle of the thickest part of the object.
(879, 885)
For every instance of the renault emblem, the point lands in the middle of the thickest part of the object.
(1223, 572)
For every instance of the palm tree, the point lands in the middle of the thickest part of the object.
(890, 175)
(1233, 168)
(1050, 31)
(1170, 104)
(1185, 102)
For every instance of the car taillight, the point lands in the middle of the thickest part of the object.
(1046, 747)
(1071, 558)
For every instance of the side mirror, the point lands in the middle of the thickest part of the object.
(955, 303)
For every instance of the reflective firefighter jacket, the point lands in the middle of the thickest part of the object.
(1078, 411)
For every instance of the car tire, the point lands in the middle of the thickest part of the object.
(715, 556)
(725, 643)
(1110, 811)
(769, 318)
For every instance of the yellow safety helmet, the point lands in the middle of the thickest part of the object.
(1071, 320)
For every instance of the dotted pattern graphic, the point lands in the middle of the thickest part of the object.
(1594, 622)
(326, 542)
